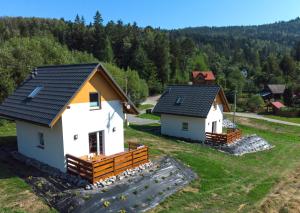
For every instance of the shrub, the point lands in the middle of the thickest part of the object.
(255, 103)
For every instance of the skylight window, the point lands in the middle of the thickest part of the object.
(179, 100)
(35, 92)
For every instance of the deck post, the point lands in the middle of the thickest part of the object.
(98, 143)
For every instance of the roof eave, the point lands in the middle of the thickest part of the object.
(133, 109)
(168, 113)
(25, 120)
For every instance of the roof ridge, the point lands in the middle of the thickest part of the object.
(68, 65)
(195, 85)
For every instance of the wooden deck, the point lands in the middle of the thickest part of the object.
(224, 138)
(100, 167)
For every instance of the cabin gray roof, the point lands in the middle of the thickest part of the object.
(187, 100)
(276, 88)
(59, 84)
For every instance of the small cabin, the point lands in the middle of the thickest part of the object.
(190, 111)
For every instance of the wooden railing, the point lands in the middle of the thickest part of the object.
(227, 138)
(109, 166)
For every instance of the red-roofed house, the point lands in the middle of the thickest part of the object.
(276, 106)
(203, 77)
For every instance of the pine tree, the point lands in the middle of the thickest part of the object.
(108, 54)
(99, 38)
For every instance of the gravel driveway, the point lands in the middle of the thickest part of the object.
(256, 116)
(132, 119)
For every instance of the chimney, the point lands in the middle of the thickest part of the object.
(34, 73)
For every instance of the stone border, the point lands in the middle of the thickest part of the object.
(54, 172)
(125, 174)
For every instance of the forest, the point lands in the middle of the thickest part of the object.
(145, 60)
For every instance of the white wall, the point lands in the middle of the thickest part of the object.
(28, 141)
(214, 115)
(80, 120)
(172, 125)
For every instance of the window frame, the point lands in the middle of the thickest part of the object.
(99, 101)
(185, 126)
(41, 144)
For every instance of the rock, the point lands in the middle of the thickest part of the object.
(228, 124)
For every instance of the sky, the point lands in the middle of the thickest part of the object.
(166, 14)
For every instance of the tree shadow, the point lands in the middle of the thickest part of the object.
(155, 130)
(7, 144)
(148, 128)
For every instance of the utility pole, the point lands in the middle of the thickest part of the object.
(126, 83)
(234, 110)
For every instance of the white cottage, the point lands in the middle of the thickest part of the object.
(189, 111)
(68, 109)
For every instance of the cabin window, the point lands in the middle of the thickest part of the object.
(185, 126)
(41, 140)
(35, 92)
(95, 100)
(179, 100)
(215, 105)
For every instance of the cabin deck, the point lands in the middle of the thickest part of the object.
(100, 167)
(224, 138)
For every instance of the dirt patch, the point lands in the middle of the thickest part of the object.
(285, 197)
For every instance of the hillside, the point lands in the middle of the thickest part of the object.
(269, 53)
(284, 32)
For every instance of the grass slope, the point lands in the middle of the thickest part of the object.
(227, 183)
(282, 118)
(149, 116)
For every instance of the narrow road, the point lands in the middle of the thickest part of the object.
(132, 119)
(256, 116)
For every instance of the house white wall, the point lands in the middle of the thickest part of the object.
(77, 120)
(172, 124)
(80, 120)
(28, 141)
(215, 115)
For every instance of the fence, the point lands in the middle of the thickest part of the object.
(95, 170)
(229, 137)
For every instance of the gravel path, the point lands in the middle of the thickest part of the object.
(256, 116)
(152, 100)
(132, 119)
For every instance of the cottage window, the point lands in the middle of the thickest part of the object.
(215, 105)
(41, 140)
(95, 100)
(185, 126)
(35, 92)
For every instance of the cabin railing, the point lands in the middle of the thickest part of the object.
(224, 138)
(94, 171)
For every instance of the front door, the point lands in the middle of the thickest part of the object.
(214, 127)
(96, 142)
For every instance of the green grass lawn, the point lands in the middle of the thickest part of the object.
(15, 194)
(282, 118)
(145, 106)
(227, 183)
(149, 116)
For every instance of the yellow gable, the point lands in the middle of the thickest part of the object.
(99, 84)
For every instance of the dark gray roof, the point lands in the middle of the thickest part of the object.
(276, 88)
(59, 84)
(196, 100)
